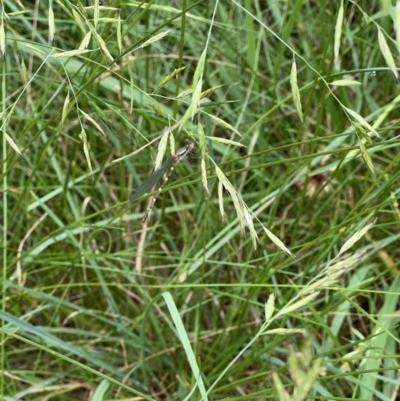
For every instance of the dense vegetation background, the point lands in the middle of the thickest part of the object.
(269, 266)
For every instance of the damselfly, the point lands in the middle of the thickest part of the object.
(166, 169)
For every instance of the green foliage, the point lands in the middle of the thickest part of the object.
(268, 268)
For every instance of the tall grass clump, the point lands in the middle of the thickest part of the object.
(268, 268)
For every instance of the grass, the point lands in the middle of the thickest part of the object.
(269, 266)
